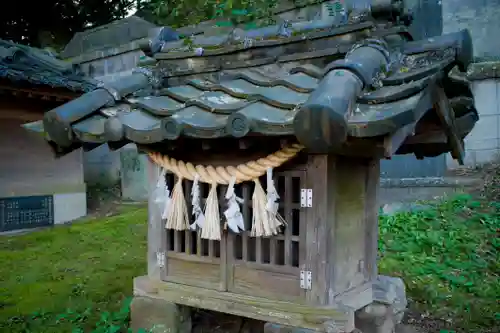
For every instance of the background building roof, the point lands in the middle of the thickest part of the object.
(20, 63)
(110, 35)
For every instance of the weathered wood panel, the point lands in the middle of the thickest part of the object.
(340, 227)
(349, 241)
(250, 280)
(201, 273)
(320, 221)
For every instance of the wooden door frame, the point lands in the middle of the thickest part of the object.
(191, 269)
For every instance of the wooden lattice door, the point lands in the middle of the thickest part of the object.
(239, 263)
(269, 267)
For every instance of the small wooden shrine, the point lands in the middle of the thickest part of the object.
(265, 149)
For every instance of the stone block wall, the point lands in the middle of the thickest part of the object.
(110, 67)
(102, 166)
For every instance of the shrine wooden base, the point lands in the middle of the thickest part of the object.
(164, 307)
(285, 313)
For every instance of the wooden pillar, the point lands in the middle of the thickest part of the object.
(156, 315)
(155, 224)
(341, 236)
(342, 229)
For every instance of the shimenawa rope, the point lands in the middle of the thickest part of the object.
(265, 220)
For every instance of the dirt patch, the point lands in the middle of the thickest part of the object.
(490, 175)
(214, 322)
(423, 323)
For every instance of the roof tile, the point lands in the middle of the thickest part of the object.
(21, 63)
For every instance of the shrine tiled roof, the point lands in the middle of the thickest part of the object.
(21, 63)
(349, 97)
(249, 103)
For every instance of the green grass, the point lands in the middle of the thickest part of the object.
(78, 278)
(448, 258)
(58, 279)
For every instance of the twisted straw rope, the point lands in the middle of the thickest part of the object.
(223, 175)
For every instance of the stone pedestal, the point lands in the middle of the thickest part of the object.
(387, 309)
(158, 316)
(382, 316)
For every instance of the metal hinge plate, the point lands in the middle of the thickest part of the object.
(305, 280)
(306, 197)
(160, 259)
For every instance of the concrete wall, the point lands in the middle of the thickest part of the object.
(481, 17)
(482, 145)
(28, 168)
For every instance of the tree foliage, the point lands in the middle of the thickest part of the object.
(43, 23)
(180, 13)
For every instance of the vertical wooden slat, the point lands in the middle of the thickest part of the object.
(177, 240)
(223, 260)
(211, 248)
(273, 248)
(199, 244)
(258, 250)
(246, 218)
(371, 219)
(273, 242)
(222, 207)
(187, 193)
(228, 257)
(223, 264)
(177, 234)
(289, 219)
(212, 244)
